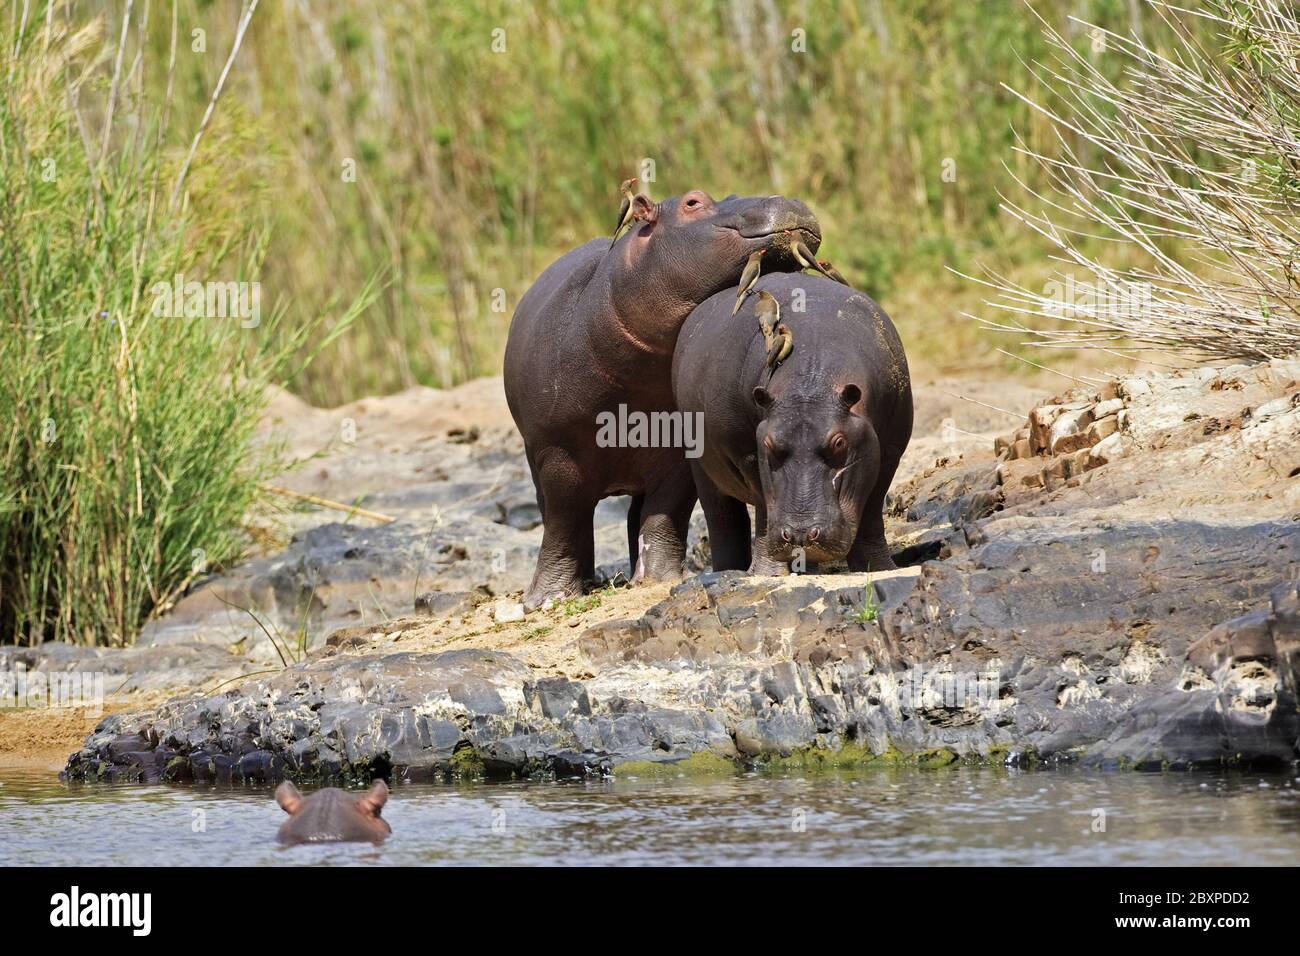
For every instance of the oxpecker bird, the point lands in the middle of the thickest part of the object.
(780, 349)
(805, 258)
(831, 272)
(747, 279)
(625, 208)
(768, 311)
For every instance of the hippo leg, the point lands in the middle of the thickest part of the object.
(537, 484)
(870, 551)
(567, 555)
(728, 521)
(763, 562)
(634, 533)
(665, 515)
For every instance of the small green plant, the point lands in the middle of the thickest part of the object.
(587, 602)
(540, 630)
(579, 605)
(870, 606)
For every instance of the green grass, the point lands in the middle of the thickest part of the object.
(128, 457)
(474, 169)
(579, 605)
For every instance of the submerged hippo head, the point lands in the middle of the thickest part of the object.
(818, 459)
(702, 244)
(333, 814)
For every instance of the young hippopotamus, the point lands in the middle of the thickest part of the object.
(593, 338)
(333, 815)
(814, 447)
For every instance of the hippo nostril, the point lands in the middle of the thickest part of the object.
(814, 534)
(785, 534)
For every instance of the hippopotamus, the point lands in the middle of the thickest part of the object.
(596, 331)
(813, 444)
(333, 815)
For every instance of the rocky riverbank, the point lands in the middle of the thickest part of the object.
(1112, 581)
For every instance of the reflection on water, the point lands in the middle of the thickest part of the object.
(875, 817)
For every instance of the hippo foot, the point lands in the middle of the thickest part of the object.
(650, 574)
(762, 564)
(538, 596)
(873, 560)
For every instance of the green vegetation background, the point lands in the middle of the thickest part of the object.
(476, 168)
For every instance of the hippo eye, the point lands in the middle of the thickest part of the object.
(837, 447)
(692, 203)
(776, 455)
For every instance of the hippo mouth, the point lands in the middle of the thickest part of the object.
(822, 552)
(810, 236)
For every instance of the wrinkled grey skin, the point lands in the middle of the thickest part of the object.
(814, 449)
(333, 815)
(596, 330)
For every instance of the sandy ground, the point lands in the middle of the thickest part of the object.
(544, 640)
(42, 738)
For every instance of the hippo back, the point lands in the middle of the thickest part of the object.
(545, 344)
(841, 333)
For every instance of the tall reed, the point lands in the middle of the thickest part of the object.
(127, 414)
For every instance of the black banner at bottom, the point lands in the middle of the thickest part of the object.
(129, 905)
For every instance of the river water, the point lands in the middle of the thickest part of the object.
(874, 817)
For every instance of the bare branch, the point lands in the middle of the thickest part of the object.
(1195, 166)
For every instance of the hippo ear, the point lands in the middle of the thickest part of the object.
(375, 798)
(850, 395)
(288, 797)
(762, 397)
(644, 210)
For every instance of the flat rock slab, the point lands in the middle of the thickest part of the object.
(126, 670)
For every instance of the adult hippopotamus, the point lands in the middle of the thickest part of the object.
(595, 332)
(814, 447)
(332, 815)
